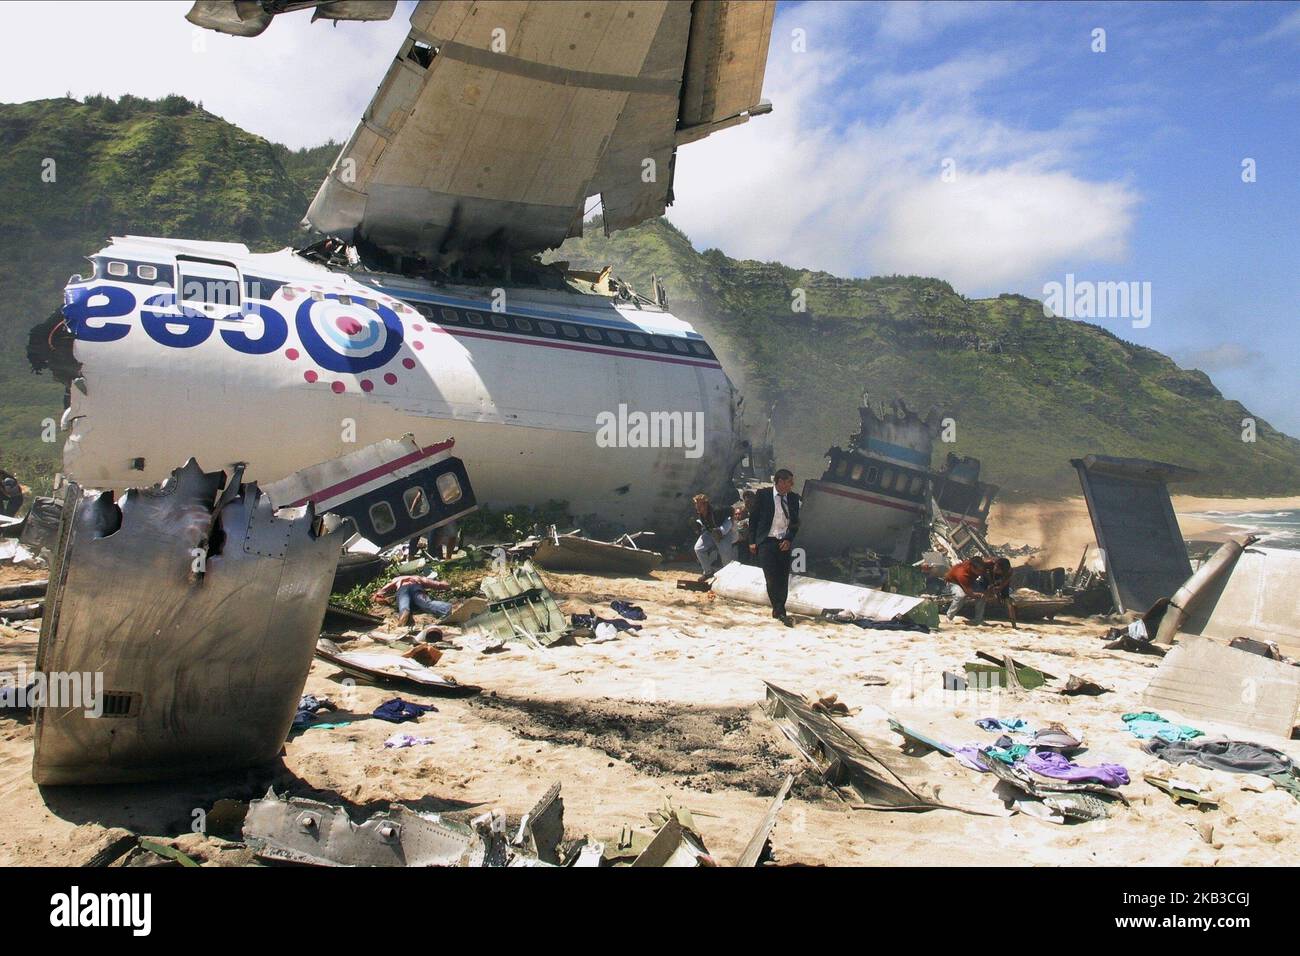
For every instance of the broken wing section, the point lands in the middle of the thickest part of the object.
(497, 121)
(193, 613)
(248, 18)
(1136, 528)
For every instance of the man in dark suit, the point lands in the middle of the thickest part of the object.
(772, 526)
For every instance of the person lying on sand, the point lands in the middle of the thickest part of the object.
(412, 590)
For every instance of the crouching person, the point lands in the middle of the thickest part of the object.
(411, 591)
(716, 546)
(964, 587)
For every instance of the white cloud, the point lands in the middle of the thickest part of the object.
(299, 83)
(1220, 358)
(845, 174)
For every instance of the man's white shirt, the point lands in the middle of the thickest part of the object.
(780, 520)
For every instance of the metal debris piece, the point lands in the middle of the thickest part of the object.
(24, 590)
(542, 828)
(392, 490)
(838, 757)
(298, 830)
(1135, 525)
(917, 744)
(199, 607)
(675, 845)
(1078, 806)
(1201, 679)
(571, 552)
(758, 844)
(1180, 793)
(344, 618)
(1024, 670)
(744, 582)
(1256, 598)
(519, 608)
(392, 670)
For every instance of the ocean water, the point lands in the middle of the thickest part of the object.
(1277, 529)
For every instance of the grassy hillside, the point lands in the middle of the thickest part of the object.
(1027, 392)
(146, 167)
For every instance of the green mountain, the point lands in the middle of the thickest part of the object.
(1027, 392)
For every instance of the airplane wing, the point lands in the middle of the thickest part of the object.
(498, 121)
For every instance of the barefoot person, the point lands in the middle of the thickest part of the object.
(772, 526)
(412, 591)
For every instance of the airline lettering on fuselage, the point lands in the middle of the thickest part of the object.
(356, 347)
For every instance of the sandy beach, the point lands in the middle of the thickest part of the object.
(673, 711)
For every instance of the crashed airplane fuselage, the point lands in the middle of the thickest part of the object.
(281, 362)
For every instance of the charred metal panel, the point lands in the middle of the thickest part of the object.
(1137, 531)
(392, 490)
(201, 607)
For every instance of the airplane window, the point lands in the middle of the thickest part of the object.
(317, 295)
(872, 473)
(679, 345)
(916, 485)
(570, 330)
(450, 315)
(886, 477)
(209, 284)
(118, 269)
(523, 325)
(659, 342)
(416, 501)
(474, 318)
(448, 488)
(857, 473)
(615, 337)
(423, 309)
(345, 300)
(841, 468)
(901, 481)
(148, 273)
(546, 327)
(700, 348)
(500, 322)
(593, 334)
(637, 340)
(381, 517)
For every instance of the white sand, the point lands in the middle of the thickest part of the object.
(671, 711)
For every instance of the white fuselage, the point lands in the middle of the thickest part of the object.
(312, 363)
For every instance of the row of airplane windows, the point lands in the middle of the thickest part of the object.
(888, 479)
(518, 324)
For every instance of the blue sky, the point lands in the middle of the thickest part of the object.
(1122, 165)
(1115, 166)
